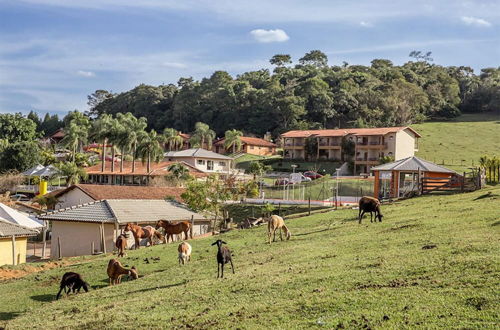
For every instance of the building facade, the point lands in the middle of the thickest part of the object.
(249, 145)
(368, 145)
(203, 160)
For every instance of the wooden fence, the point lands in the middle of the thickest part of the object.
(469, 181)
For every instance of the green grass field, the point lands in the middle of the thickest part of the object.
(460, 142)
(433, 263)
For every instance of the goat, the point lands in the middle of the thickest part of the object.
(121, 245)
(184, 252)
(223, 257)
(72, 282)
(116, 271)
(274, 223)
(370, 204)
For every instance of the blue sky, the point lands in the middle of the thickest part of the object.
(53, 53)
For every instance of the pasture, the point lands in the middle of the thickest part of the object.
(434, 262)
(460, 141)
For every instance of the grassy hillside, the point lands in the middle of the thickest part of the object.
(433, 262)
(461, 141)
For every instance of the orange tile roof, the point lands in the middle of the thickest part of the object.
(185, 136)
(58, 134)
(99, 192)
(250, 141)
(346, 131)
(157, 169)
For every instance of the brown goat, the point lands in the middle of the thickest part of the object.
(370, 204)
(121, 245)
(116, 271)
(184, 250)
(274, 223)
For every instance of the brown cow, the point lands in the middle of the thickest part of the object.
(116, 271)
(370, 204)
(172, 229)
(121, 245)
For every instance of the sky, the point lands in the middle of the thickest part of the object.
(53, 53)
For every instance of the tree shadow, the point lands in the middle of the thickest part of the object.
(487, 195)
(495, 223)
(5, 316)
(314, 232)
(44, 297)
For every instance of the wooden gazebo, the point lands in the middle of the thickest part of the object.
(411, 175)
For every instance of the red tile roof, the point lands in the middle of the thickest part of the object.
(157, 169)
(100, 192)
(346, 131)
(58, 134)
(253, 141)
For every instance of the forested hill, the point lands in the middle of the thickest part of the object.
(311, 94)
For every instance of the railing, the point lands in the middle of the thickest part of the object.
(371, 144)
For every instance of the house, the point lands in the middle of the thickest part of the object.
(13, 242)
(13, 216)
(75, 230)
(370, 144)
(203, 160)
(138, 176)
(85, 193)
(249, 145)
(402, 177)
(56, 137)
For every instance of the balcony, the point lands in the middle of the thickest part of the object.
(371, 145)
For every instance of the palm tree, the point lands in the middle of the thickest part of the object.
(129, 137)
(150, 148)
(232, 139)
(73, 173)
(115, 135)
(76, 133)
(172, 138)
(202, 133)
(179, 172)
(100, 132)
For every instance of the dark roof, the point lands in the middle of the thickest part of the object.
(8, 229)
(123, 211)
(196, 152)
(412, 164)
(157, 169)
(98, 192)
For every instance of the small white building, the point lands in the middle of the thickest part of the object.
(203, 160)
(78, 229)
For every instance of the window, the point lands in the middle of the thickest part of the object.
(210, 165)
(251, 147)
(201, 162)
(222, 163)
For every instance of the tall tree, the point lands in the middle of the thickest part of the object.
(202, 134)
(95, 99)
(280, 60)
(314, 57)
(150, 148)
(129, 137)
(172, 138)
(99, 132)
(232, 139)
(15, 128)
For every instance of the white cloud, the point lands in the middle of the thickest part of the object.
(474, 21)
(262, 35)
(366, 24)
(87, 74)
(175, 65)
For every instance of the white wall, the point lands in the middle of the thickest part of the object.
(405, 144)
(77, 237)
(72, 198)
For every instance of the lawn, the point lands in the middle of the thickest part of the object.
(433, 263)
(460, 143)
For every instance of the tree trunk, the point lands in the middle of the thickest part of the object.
(112, 158)
(133, 157)
(121, 160)
(103, 163)
(149, 162)
(234, 148)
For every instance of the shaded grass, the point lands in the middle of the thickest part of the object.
(333, 273)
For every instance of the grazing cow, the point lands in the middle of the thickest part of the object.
(116, 271)
(274, 223)
(370, 204)
(121, 245)
(172, 229)
(72, 282)
(142, 232)
(223, 257)
(184, 252)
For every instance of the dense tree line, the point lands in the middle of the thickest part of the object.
(310, 94)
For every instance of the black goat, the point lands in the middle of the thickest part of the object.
(370, 204)
(223, 257)
(72, 282)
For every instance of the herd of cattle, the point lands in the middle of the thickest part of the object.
(73, 282)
